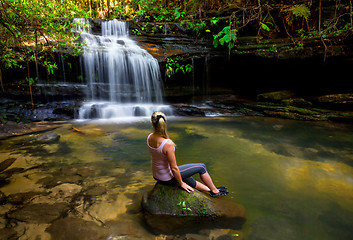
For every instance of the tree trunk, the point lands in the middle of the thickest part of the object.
(2, 86)
(108, 7)
(29, 84)
(320, 16)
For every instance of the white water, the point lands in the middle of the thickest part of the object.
(119, 112)
(121, 77)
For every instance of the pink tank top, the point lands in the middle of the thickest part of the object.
(159, 163)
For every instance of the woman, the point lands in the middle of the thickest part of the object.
(164, 165)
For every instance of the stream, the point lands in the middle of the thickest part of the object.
(294, 178)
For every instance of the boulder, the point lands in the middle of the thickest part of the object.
(335, 101)
(168, 209)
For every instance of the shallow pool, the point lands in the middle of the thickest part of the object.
(294, 178)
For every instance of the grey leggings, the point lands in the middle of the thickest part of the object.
(187, 171)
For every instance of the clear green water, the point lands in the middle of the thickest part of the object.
(295, 179)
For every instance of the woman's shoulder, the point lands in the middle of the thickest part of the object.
(169, 143)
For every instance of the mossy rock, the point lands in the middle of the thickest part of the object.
(296, 102)
(275, 96)
(170, 209)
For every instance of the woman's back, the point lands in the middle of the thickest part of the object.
(154, 140)
(159, 162)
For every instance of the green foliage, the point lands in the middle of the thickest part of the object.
(136, 31)
(173, 66)
(300, 10)
(227, 35)
(214, 21)
(51, 68)
(32, 30)
(178, 14)
(265, 26)
(198, 27)
(183, 205)
(295, 12)
(150, 10)
(30, 80)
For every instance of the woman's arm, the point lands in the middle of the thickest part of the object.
(169, 149)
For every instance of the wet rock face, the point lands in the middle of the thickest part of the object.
(170, 209)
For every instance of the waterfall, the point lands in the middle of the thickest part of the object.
(123, 79)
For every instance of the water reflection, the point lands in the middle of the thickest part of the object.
(295, 179)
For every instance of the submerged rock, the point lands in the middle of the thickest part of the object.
(45, 138)
(8, 233)
(169, 209)
(59, 178)
(95, 191)
(36, 139)
(6, 163)
(39, 213)
(74, 228)
(20, 198)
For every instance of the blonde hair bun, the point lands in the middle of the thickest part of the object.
(159, 123)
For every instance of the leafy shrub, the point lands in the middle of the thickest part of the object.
(173, 66)
(227, 35)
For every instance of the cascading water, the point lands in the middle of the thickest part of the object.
(123, 79)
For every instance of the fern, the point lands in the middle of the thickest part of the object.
(295, 12)
(301, 10)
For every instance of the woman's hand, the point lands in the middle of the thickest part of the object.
(186, 187)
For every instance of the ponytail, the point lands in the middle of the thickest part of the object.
(159, 123)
